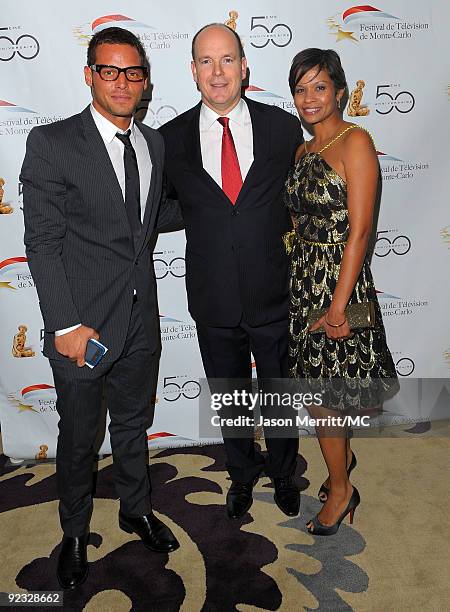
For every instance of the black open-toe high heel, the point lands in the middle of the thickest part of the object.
(323, 491)
(326, 530)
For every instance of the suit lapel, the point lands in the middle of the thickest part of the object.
(261, 146)
(192, 138)
(150, 208)
(106, 174)
(194, 152)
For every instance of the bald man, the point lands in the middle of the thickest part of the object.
(226, 161)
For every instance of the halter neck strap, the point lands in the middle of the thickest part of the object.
(327, 146)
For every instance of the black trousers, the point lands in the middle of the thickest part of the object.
(226, 355)
(130, 386)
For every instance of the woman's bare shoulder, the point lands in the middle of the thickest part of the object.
(300, 151)
(359, 138)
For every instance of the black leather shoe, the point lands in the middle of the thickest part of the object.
(239, 498)
(287, 495)
(154, 534)
(72, 567)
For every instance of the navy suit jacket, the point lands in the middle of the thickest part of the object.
(236, 265)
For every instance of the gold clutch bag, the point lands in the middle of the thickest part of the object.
(359, 316)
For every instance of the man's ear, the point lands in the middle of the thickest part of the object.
(88, 76)
(244, 68)
(194, 70)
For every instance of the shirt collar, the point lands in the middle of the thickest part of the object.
(208, 117)
(108, 130)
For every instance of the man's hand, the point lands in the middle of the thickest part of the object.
(73, 344)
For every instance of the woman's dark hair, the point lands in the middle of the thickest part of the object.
(323, 59)
(115, 36)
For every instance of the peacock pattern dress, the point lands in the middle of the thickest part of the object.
(356, 373)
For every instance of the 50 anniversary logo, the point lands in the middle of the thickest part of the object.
(13, 44)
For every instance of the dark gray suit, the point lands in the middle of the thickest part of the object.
(81, 255)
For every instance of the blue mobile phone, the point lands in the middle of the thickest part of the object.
(95, 351)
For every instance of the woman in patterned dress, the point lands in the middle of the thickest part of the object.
(331, 193)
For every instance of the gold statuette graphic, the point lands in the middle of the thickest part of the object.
(18, 348)
(231, 22)
(42, 454)
(4, 208)
(354, 108)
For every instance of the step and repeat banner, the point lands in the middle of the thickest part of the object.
(396, 55)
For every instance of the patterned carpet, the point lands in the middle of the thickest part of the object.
(394, 557)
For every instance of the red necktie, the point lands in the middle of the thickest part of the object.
(231, 173)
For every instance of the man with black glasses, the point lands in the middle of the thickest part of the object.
(92, 189)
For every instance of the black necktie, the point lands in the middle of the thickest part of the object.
(132, 186)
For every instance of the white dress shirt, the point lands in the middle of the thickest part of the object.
(115, 150)
(211, 131)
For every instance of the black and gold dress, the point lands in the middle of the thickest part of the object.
(361, 367)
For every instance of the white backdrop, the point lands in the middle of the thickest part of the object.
(400, 49)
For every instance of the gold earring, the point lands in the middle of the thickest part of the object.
(339, 103)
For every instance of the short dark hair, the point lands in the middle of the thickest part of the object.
(115, 36)
(323, 59)
(222, 25)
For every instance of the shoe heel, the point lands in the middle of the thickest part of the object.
(125, 527)
(351, 515)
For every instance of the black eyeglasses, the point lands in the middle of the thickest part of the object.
(111, 73)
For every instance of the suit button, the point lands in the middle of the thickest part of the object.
(234, 213)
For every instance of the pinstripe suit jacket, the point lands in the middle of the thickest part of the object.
(78, 241)
(236, 265)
